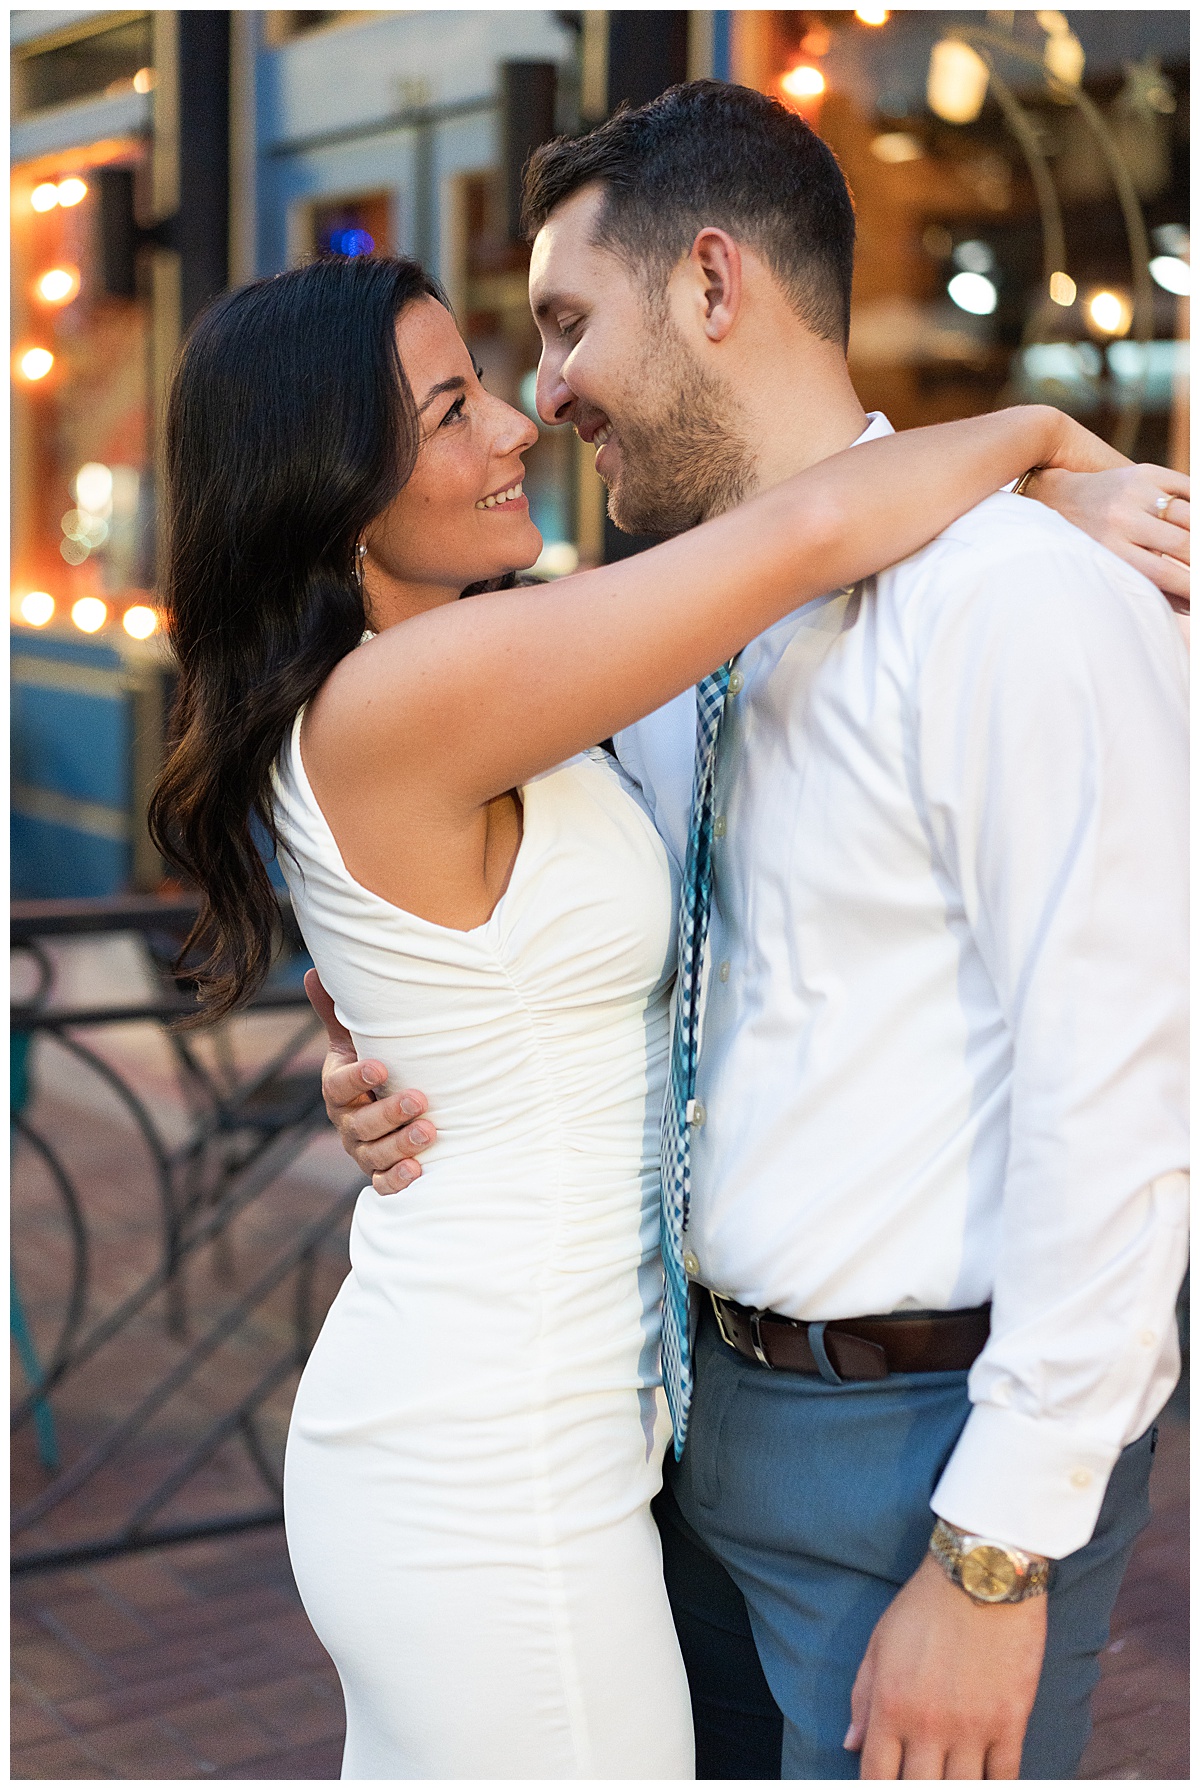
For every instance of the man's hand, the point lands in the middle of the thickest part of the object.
(946, 1685)
(379, 1134)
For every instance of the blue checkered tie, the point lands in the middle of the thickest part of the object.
(694, 903)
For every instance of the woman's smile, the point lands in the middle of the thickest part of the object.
(512, 497)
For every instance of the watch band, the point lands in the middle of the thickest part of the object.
(1018, 489)
(990, 1572)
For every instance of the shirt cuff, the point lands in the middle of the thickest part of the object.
(1021, 1480)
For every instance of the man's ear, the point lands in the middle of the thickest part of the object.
(717, 262)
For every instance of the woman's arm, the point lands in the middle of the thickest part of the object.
(1118, 509)
(471, 699)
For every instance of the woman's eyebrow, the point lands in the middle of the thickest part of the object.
(447, 385)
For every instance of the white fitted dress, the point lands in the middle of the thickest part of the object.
(479, 1430)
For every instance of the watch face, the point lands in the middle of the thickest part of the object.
(989, 1574)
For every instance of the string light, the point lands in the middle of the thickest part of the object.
(44, 197)
(59, 285)
(871, 15)
(89, 615)
(36, 608)
(35, 363)
(140, 621)
(72, 191)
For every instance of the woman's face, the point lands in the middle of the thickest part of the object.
(461, 517)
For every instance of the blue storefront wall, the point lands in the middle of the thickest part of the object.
(73, 717)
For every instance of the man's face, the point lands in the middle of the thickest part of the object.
(615, 364)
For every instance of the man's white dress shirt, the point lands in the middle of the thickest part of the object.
(944, 1040)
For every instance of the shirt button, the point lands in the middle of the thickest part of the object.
(723, 971)
(696, 1114)
(1148, 1339)
(1081, 1477)
(691, 1262)
(737, 683)
(719, 827)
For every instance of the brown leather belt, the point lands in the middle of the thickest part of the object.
(918, 1342)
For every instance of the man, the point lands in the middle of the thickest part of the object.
(937, 1133)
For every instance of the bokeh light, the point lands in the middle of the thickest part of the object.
(895, 147)
(89, 615)
(94, 487)
(140, 621)
(143, 81)
(1110, 312)
(44, 196)
(958, 81)
(871, 15)
(1172, 274)
(973, 292)
(803, 82)
(36, 608)
(72, 191)
(1062, 289)
(35, 363)
(59, 285)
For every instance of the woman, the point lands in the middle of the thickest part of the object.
(477, 1436)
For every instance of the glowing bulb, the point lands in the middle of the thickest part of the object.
(71, 191)
(89, 614)
(1110, 312)
(35, 363)
(37, 608)
(803, 82)
(140, 622)
(871, 15)
(59, 285)
(44, 197)
(143, 81)
(973, 292)
(1062, 288)
(958, 82)
(1172, 274)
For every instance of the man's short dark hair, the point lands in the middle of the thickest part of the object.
(708, 153)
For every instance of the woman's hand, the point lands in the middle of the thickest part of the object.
(1122, 509)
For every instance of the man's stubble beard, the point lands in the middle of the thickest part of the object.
(682, 457)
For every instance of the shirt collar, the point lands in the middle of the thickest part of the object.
(877, 427)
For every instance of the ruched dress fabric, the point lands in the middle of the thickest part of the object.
(479, 1430)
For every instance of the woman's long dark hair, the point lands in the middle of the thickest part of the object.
(290, 427)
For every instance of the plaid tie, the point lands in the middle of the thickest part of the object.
(694, 904)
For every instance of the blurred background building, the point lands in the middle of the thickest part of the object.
(1021, 183)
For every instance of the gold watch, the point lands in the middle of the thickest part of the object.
(990, 1572)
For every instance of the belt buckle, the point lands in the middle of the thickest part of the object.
(719, 1316)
